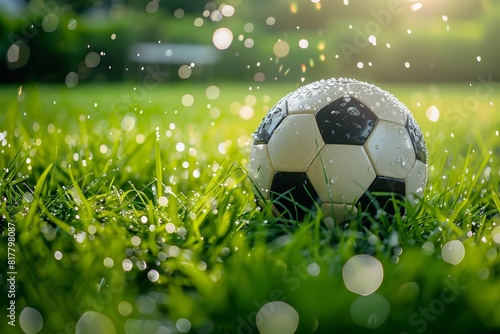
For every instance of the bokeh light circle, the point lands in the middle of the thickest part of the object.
(30, 320)
(363, 274)
(281, 49)
(222, 38)
(93, 323)
(453, 252)
(277, 317)
(370, 311)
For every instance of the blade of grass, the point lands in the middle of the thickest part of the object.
(79, 196)
(30, 217)
(159, 180)
(496, 200)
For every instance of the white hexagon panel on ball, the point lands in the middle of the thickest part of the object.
(337, 213)
(415, 182)
(314, 96)
(260, 170)
(295, 143)
(341, 173)
(391, 150)
(380, 102)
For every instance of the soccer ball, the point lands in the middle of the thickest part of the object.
(337, 145)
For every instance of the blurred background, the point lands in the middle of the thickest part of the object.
(88, 41)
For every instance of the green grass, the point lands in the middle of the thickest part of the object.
(127, 203)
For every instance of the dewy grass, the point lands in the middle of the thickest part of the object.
(143, 220)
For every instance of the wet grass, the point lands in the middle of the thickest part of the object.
(134, 203)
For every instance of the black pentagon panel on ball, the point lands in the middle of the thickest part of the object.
(417, 139)
(293, 195)
(345, 121)
(379, 195)
(270, 122)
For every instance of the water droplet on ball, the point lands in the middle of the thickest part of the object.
(353, 111)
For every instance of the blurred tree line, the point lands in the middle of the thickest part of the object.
(386, 40)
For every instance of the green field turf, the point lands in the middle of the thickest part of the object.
(129, 211)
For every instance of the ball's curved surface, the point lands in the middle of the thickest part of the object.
(334, 143)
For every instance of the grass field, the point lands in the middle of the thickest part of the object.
(126, 209)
